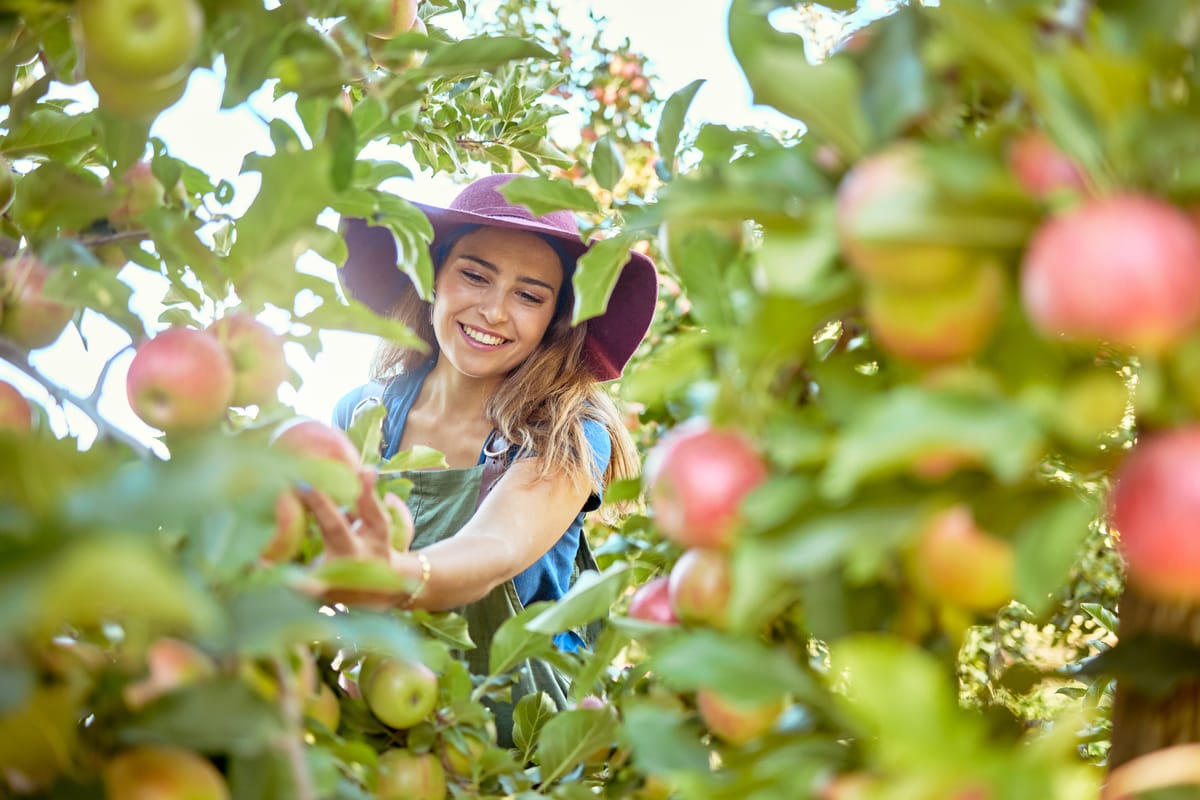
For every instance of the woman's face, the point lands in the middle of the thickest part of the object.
(495, 297)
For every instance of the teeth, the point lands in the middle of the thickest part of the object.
(483, 338)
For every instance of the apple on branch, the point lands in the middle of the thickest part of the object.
(734, 721)
(651, 602)
(140, 39)
(699, 586)
(27, 316)
(1041, 168)
(180, 381)
(256, 351)
(957, 562)
(146, 771)
(405, 775)
(399, 692)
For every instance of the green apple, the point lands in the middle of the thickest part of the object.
(383, 19)
(400, 693)
(323, 706)
(259, 364)
(140, 39)
(404, 775)
(459, 756)
(15, 412)
(153, 771)
(28, 317)
(180, 381)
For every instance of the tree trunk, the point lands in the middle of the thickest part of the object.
(1141, 724)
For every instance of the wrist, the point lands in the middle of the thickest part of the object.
(424, 571)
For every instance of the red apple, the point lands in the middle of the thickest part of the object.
(698, 478)
(1041, 168)
(1122, 269)
(323, 706)
(948, 322)
(180, 381)
(958, 563)
(699, 586)
(737, 722)
(27, 317)
(384, 19)
(1153, 506)
(139, 192)
(16, 414)
(310, 438)
(154, 772)
(140, 39)
(291, 525)
(172, 664)
(652, 602)
(400, 693)
(259, 364)
(875, 203)
(404, 775)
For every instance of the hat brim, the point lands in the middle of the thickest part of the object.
(371, 275)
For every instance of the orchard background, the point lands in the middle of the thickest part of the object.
(918, 408)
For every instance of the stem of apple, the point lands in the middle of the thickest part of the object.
(293, 738)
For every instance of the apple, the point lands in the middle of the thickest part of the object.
(734, 721)
(652, 602)
(140, 39)
(935, 324)
(1041, 168)
(180, 381)
(291, 525)
(16, 414)
(399, 692)
(398, 57)
(140, 192)
(172, 664)
(698, 476)
(1090, 406)
(157, 772)
(137, 100)
(259, 364)
(1153, 507)
(27, 317)
(1120, 269)
(404, 775)
(310, 438)
(956, 562)
(875, 202)
(460, 758)
(699, 586)
(384, 19)
(8, 184)
(323, 706)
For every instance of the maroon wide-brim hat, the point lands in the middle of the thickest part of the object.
(370, 273)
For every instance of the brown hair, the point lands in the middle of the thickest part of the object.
(542, 404)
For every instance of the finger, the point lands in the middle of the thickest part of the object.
(375, 522)
(335, 529)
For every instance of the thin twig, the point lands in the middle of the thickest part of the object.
(19, 358)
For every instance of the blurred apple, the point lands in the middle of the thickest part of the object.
(139, 192)
(323, 706)
(180, 381)
(140, 39)
(404, 775)
(27, 317)
(16, 414)
(310, 438)
(399, 692)
(958, 563)
(736, 722)
(172, 664)
(947, 322)
(1119, 269)
(154, 772)
(291, 525)
(875, 202)
(652, 602)
(1041, 168)
(398, 56)
(699, 586)
(1089, 406)
(256, 351)
(1154, 505)
(383, 19)
(461, 754)
(697, 478)
(137, 100)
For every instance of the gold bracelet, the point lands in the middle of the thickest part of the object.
(426, 570)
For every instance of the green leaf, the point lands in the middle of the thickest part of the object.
(515, 643)
(221, 716)
(482, 53)
(572, 736)
(591, 598)
(57, 197)
(416, 457)
(543, 195)
(670, 122)
(445, 626)
(596, 275)
(353, 574)
(892, 433)
(739, 667)
(607, 164)
(51, 132)
(529, 715)
(1048, 547)
(661, 739)
(826, 98)
(266, 621)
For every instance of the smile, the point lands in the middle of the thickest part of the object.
(476, 335)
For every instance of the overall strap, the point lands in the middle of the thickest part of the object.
(495, 461)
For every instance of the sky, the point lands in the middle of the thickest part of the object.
(197, 131)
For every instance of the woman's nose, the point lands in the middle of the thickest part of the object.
(492, 308)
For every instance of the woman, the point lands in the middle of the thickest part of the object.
(510, 392)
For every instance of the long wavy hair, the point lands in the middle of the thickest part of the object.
(542, 404)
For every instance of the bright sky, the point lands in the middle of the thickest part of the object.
(196, 131)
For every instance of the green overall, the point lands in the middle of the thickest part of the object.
(442, 501)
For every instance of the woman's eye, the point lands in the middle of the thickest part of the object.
(531, 298)
(473, 277)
